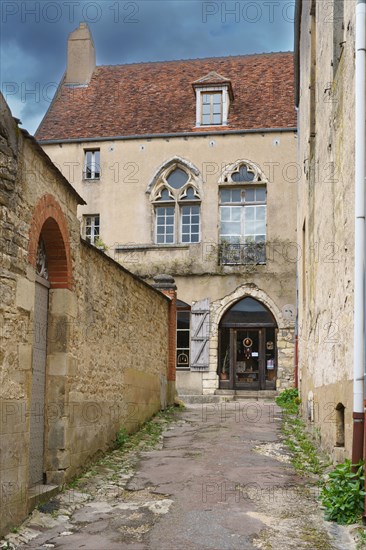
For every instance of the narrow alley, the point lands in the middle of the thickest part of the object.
(221, 478)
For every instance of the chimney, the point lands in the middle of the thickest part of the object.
(80, 56)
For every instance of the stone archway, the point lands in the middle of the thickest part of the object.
(285, 335)
(49, 220)
(49, 253)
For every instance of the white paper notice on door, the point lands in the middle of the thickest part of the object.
(270, 364)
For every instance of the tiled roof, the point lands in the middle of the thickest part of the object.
(158, 98)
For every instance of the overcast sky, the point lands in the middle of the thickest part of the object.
(34, 36)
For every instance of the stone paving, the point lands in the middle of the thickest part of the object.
(220, 478)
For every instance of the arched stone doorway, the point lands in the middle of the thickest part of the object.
(49, 253)
(247, 358)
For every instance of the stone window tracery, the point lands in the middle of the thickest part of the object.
(176, 199)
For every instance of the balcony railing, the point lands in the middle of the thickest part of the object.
(239, 254)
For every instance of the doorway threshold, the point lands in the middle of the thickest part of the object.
(40, 493)
(248, 395)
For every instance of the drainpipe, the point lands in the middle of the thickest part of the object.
(359, 406)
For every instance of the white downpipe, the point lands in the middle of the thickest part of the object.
(360, 174)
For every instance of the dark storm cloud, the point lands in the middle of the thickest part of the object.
(34, 37)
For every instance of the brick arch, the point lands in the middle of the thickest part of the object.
(49, 222)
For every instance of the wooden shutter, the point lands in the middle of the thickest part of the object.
(200, 332)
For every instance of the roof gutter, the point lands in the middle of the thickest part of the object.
(170, 135)
(298, 10)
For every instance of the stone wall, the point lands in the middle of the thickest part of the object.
(107, 363)
(326, 223)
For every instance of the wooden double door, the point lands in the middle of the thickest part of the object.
(249, 358)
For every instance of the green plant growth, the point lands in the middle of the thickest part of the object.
(289, 400)
(121, 438)
(343, 493)
(305, 455)
(361, 538)
(100, 244)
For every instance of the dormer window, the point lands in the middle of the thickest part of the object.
(213, 96)
(211, 113)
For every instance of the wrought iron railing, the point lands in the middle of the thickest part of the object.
(239, 254)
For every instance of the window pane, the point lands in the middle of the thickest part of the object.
(230, 228)
(183, 318)
(225, 195)
(225, 214)
(230, 195)
(216, 119)
(217, 109)
(217, 99)
(189, 231)
(231, 213)
(164, 225)
(250, 227)
(183, 339)
(249, 214)
(260, 194)
(189, 195)
(242, 174)
(235, 214)
(206, 109)
(260, 212)
(260, 227)
(177, 178)
(249, 195)
(165, 196)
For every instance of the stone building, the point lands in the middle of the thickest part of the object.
(325, 90)
(189, 168)
(84, 344)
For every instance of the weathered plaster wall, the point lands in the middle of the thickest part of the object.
(107, 339)
(326, 223)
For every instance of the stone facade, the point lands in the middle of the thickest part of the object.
(326, 216)
(127, 229)
(108, 362)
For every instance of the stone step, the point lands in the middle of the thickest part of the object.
(39, 494)
(192, 399)
(230, 395)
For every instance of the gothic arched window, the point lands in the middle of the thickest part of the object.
(243, 198)
(177, 202)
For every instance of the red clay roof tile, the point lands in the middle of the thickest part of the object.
(158, 98)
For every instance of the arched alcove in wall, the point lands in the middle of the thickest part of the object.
(49, 222)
